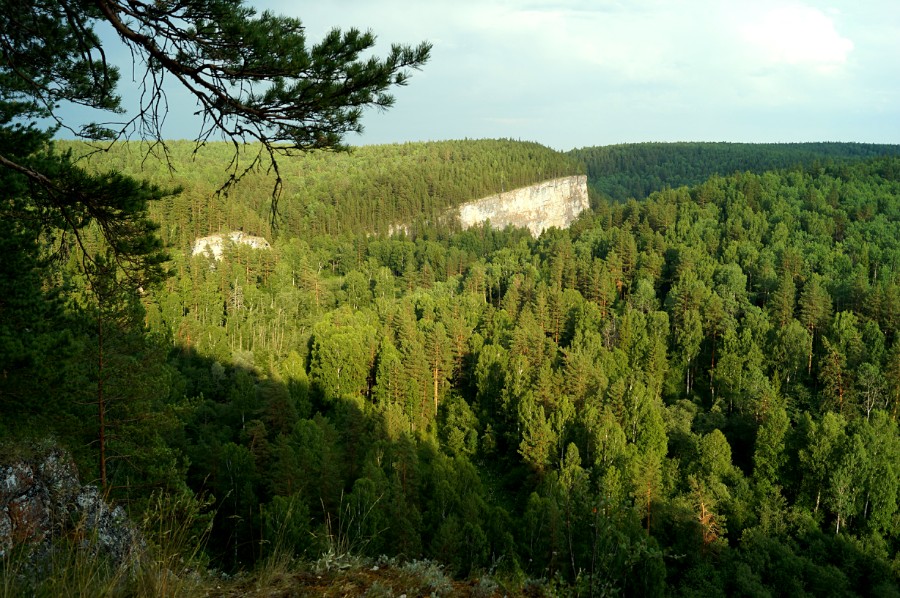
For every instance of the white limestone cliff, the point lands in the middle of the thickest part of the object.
(557, 202)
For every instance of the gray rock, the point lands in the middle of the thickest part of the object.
(41, 498)
(110, 528)
(15, 479)
(5, 532)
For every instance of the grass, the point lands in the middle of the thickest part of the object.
(173, 564)
(74, 572)
(380, 578)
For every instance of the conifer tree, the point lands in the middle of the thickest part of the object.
(253, 76)
(815, 309)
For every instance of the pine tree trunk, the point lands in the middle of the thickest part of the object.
(812, 339)
(101, 402)
(648, 508)
(435, 374)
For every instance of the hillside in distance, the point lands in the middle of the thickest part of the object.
(366, 190)
(636, 170)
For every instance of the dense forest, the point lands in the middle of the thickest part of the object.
(695, 393)
(635, 170)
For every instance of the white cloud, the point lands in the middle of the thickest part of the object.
(799, 35)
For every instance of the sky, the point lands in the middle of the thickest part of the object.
(574, 73)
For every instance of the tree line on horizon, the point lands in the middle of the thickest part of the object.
(635, 170)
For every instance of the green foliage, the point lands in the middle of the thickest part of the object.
(459, 428)
(285, 522)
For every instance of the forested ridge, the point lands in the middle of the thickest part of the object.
(368, 190)
(634, 170)
(696, 393)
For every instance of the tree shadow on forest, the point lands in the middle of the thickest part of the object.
(291, 469)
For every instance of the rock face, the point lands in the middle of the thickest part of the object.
(552, 203)
(42, 499)
(215, 244)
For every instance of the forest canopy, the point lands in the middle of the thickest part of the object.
(697, 390)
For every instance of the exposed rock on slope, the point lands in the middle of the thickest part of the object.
(41, 498)
(215, 244)
(557, 202)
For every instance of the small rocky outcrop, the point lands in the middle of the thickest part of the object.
(42, 499)
(214, 245)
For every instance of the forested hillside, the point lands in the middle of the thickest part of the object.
(635, 170)
(695, 393)
(366, 190)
